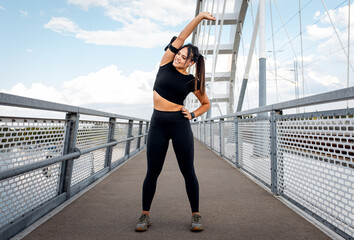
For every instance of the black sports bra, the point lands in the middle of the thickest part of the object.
(173, 85)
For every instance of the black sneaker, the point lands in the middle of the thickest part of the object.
(197, 224)
(143, 223)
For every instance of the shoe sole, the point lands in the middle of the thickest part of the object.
(139, 229)
(196, 229)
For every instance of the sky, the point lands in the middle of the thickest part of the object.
(104, 54)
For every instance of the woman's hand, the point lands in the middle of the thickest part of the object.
(186, 113)
(207, 16)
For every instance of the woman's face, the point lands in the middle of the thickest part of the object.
(180, 60)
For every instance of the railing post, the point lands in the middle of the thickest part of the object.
(129, 134)
(237, 161)
(211, 133)
(110, 138)
(140, 131)
(146, 131)
(221, 134)
(72, 128)
(273, 152)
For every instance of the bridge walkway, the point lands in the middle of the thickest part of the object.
(232, 205)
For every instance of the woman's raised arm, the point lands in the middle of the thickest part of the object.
(179, 41)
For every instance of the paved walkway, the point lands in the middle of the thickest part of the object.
(233, 207)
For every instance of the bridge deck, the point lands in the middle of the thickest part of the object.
(233, 206)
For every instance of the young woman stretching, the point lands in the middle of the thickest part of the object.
(170, 120)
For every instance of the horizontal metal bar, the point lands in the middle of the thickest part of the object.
(18, 101)
(33, 166)
(331, 113)
(99, 147)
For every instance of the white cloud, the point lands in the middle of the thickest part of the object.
(86, 4)
(2, 8)
(23, 13)
(29, 50)
(146, 23)
(323, 79)
(36, 90)
(317, 15)
(314, 32)
(61, 25)
(106, 86)
(171, 13)
(140, 33)
(339, 16)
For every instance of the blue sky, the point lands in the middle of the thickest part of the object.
(104, 54)
(31, 52)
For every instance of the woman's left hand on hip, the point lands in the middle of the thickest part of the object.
(186, 113)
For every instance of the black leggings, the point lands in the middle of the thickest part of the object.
(163, 127)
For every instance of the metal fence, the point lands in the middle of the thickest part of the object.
(307, 158)
(43, 162)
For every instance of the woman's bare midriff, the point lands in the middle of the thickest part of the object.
(164, 105)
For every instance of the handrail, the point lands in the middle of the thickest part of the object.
(41, 164)
(328, 97)
(25, 102)
(33, 166)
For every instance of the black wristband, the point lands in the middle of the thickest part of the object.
(193, 115)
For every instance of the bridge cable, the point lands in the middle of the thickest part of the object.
(302, 53)
(274, 56)
(348, 59)
(290, 42)
(291, 18)
(304, 31)
(286, 31)
(340, 41)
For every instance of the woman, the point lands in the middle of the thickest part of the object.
(170, 120)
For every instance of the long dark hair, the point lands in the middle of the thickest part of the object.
(193, 53)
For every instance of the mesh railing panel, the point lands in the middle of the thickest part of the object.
(216, 136)
(134, 143)
(202, 132)
(118, 152)
(23, 193)
(90, 134)
(195, 130)
(254, 147)
(83, 168)
(25, 141)
(120, 133)
(207, 134)
(316, 166)
(229, 140)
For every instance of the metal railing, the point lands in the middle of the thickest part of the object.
(44, 162)
(306, 158)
